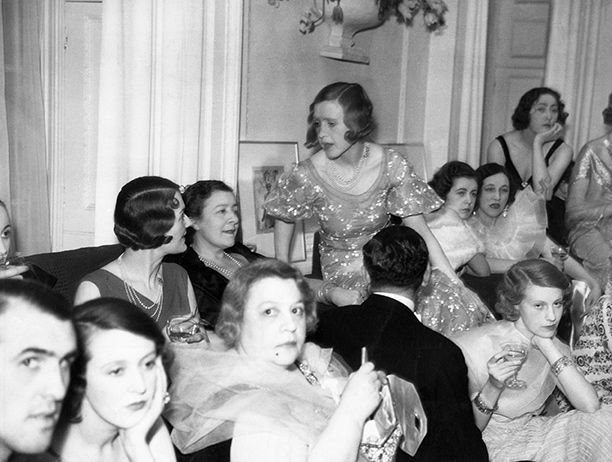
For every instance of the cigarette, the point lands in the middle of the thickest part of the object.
(364, 355)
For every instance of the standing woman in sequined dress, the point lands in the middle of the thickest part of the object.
(352, 186)
(150, 223)
(213, 255)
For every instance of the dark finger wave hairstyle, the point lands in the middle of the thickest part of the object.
(356, 106)
(237, 295)
(485, 171)
(520, 118)
(443, 179)
(537, 272)
(98, 315)
(144, 212)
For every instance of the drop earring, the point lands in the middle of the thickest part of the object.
(505, 212)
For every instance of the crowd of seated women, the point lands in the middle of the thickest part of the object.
(245, 382)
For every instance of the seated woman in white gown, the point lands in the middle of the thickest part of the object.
(444, 305)
(512, 226)
(275, 397)
(514, 366)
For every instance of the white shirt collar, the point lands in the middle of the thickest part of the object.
(403, 300)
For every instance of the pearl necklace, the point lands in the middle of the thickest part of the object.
(134, 297)
(342, 182)
(227, 272)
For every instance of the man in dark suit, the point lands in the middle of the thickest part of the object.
(396, 260)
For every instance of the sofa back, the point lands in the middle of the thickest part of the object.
(70, 266)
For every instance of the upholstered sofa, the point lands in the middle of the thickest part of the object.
(70, 266)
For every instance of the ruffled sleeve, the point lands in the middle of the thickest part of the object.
(408, 194)
(521, 233)
(294, 195)
(459, 243)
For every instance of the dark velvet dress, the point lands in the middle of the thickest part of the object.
(208, 284)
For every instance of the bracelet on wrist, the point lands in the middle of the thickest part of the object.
(482, 406)
(324, 291)
(561, 364)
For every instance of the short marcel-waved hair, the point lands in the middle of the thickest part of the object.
(237, 295)
(521, 116)
(356, 106)
(144, 212)
(536, 272)
(396, 257)
(443, 179)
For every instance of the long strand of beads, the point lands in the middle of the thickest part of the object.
(134, 297)
(227, 272)
(334, 174)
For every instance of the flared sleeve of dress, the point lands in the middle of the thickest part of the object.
(294, 195)
(459, 243)
(588, 212)
(521, 233)
(408, 194)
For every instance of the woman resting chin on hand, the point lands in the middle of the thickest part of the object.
(514, 366)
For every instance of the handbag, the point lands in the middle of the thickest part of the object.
(399, 421)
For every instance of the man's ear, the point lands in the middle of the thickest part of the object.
(365, 274)
(427, 274)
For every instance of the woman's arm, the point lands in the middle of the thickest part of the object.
(495, 153)
(572, 383)
(500, 265)
(86, 291)
(437, 257)
(546, 178)
(193, 304)
(339, 441)
(479, 266)
(283, 233)
(485, 402)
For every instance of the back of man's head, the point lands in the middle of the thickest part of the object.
(36, 295)
(396, 257)
(37, 346)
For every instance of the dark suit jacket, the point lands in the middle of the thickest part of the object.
(399, 344)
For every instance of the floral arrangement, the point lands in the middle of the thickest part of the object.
(404, 10)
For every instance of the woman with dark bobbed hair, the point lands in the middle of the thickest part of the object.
(514, 366)
(213, 255)
(536, 148)
(117, 390)
(150, 223)
(276, 397)
(352, 186)
(444, 305)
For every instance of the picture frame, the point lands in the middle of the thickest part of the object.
(260, 163)
(413, 153)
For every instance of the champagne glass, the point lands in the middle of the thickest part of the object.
(7, 262)
(515, 351)
(560, 254)
(181, 329)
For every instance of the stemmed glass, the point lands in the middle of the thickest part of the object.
(560, 253)
(516, 351)
(181, 329)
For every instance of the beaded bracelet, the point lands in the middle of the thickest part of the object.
(561, 364)
(324, 291)
(482, 406)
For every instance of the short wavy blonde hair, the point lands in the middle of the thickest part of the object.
(536, 272)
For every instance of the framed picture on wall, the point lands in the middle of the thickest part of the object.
(260, 164)
(414, 153)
